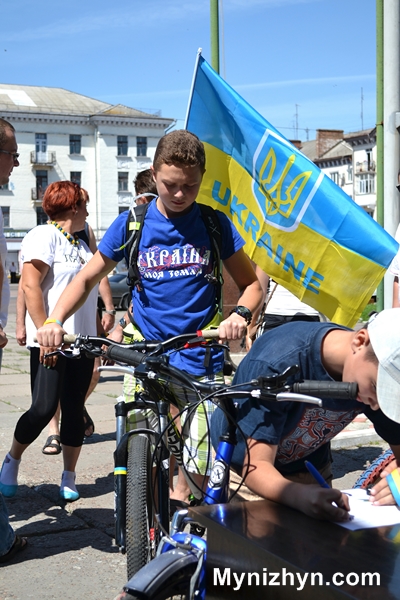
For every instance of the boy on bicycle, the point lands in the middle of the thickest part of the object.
(176, 294)
(281, 436)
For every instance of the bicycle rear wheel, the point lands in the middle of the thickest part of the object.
(141, 534)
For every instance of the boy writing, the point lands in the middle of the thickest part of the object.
(281, 436)
(174, 260)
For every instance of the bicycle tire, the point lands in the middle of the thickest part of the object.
(372, 473)
(140, 525)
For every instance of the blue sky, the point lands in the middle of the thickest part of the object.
(316, 54)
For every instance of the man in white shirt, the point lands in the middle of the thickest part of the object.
(10, 543)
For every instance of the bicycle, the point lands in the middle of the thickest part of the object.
(178, 567)
(140, 518)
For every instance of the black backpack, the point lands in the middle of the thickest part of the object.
(134, 233)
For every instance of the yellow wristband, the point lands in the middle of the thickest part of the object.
(47, 321)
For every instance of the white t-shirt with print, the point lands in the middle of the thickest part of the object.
(49, 245)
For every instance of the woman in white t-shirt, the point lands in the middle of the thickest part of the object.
(52, 256)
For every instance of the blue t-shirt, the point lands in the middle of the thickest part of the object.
(174, 257)
(301, 431)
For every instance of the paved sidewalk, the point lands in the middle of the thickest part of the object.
(70, 553)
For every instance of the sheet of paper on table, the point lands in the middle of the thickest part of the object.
(367, 515)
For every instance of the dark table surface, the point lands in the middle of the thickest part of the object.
(307, 555)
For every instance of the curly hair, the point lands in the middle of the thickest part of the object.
(182, 148)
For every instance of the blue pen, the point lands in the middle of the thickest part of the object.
(316, 474)
(319, 479)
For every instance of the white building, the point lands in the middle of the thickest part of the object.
(349, 160)
(62, 135)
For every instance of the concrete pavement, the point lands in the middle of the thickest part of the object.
(70, 553)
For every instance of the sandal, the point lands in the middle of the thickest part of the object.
(19, 544)
(88, 422)
(53, 441)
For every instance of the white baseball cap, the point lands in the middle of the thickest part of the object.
(384, 333)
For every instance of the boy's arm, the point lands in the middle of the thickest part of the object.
(108, 320)
(240, 269)
(74, 297)
(313, 500)
(380, 493)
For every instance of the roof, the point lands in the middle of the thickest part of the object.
(341, 147)
(309, 149)
(50, 100)
(338, 151)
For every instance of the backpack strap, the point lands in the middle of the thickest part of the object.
(213, 226)
(133, 234)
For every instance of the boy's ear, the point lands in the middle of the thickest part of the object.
(360, 339)
(153, 173)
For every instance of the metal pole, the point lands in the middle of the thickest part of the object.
(214, 34)
(379, 131)
(391, 106)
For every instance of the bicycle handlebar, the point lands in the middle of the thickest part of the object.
(152, 352)
(327, 389)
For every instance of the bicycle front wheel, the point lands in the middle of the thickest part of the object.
(140, 523)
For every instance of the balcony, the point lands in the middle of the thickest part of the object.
(37, 194)
(43, 158)
(365, 166)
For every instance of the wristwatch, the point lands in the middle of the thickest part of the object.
(122, 322)
(111, 312)
(244, 312)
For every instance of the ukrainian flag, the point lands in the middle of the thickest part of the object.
(299, 226)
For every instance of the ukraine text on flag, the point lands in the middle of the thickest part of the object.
(299, 226)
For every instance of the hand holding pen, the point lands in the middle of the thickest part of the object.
(340, 500)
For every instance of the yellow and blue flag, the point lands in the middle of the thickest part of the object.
(299, 226)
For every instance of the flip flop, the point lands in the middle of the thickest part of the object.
(88, 422)
(19, 544)
(53, 441)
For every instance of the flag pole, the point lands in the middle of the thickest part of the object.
(214, 34)
(192, 86)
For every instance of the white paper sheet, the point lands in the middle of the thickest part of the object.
(367, 515)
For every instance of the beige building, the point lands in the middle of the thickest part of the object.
(64, 135)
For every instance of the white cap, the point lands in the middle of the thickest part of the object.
(384, 333)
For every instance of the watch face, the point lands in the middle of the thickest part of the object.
(122, 322)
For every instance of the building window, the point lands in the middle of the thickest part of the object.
(335, 177)
(75, 177)
(4, 186)
(75, 144)
(141, 146)
(6, 215)
(41, 143)
(41, 183)
(122, 209)
(122, 144)
(350, 173)
(41, 217)
(123, 181)
(366, 183)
